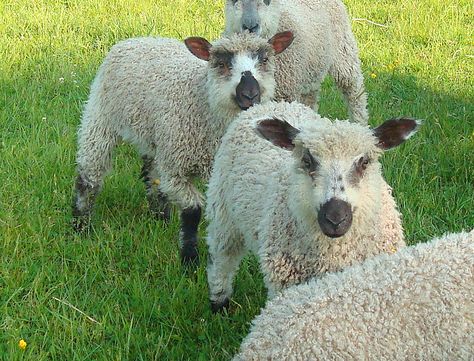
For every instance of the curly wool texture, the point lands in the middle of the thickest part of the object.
(258, 201)
(153, 93)
(324, 43)
(417, 304)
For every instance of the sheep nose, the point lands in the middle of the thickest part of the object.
(247, 92)
(252, 28)
(335, 217)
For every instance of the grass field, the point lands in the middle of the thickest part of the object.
(126, 275)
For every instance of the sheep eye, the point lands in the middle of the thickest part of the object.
(264, 60)
(309, 163)
(362, 164)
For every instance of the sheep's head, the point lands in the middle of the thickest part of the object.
(337, 174)
(256, 16)
(240, 68)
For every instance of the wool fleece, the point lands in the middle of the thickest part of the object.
(417, 304)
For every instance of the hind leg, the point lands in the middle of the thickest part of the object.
(94, 155)
(157, 200)
(347, 74)
(181, 190)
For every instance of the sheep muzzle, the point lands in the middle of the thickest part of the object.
(247, 92)
(335, 217)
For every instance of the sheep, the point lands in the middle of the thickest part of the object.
(314, 201)
(174, 107)
(324, 43)
(417, 304)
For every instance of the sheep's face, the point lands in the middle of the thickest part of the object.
(240, 69)
(256, 16)
(337, 175)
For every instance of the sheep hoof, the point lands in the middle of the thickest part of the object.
(189, 255)
(220, 306)
(81, 224)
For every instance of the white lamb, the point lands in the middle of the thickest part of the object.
(417, 304)
(314, 201)
(324, 43)
(174, 106)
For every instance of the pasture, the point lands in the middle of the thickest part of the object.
(120, 293)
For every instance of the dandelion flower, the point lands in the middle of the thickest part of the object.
(22, 344)
(373, 75)
(156, 182)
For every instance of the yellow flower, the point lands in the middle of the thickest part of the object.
(156, 182)
(373, 75)
(22, 344)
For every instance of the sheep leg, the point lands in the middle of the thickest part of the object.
(157, 200)
(347, 74)
(181, 190)
(225, 255)
(190, 218)
(93, 162)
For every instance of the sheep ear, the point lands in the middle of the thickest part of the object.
(281, 41)
(394, 132)
(200, 47)
(278, 132)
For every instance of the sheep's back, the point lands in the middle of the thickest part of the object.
(416, 304)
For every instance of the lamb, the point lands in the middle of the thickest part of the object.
(174, 107)
(324, 43)
(417, 304)
(313, 202)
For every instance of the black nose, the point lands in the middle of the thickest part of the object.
(335, 217)
(251, 28)
(247, 92)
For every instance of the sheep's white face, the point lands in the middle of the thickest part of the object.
(336, 183)
(337, 174)
(256, 16)
(240, 69)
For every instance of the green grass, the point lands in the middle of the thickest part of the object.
(126, 274)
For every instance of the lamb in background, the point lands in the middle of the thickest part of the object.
(417, 304)
(174, 105)
(324, 43)
(313, 202)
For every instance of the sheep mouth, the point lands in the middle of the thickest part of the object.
(244, 103)
(334, 232)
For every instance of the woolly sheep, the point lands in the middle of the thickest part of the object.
(324, 43)
(174, 107)
(319, 205)
(417, 304)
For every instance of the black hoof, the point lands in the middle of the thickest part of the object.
(219, 307)
(190, 255)
(81, 224)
